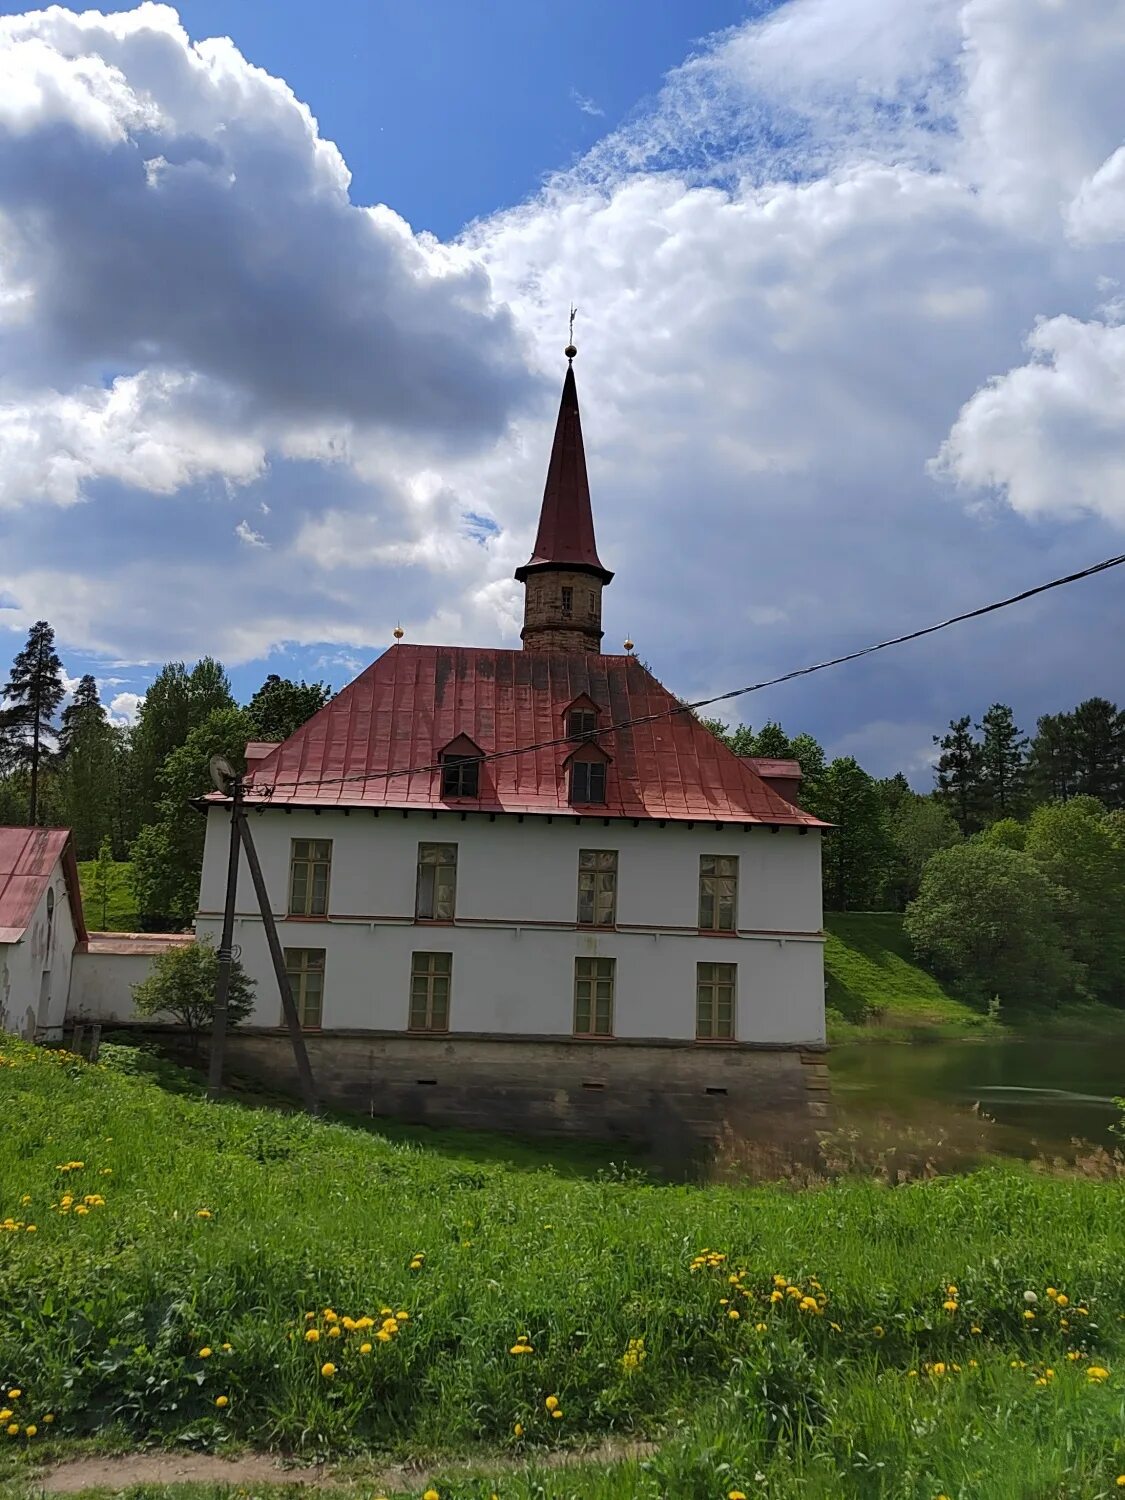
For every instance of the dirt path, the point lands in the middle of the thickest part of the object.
(249, 1469)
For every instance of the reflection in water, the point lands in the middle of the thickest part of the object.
(1041, 1095)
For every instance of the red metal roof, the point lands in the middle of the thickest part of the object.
(409, 705)
(566, 522)
(27, 860)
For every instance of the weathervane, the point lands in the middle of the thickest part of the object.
(570, 351)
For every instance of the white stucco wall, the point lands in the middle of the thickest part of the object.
(30, 1004)
(101, 987)
(515, 939)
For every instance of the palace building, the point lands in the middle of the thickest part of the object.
(526, 890)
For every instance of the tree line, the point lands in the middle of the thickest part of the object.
(1010, 871)
(124, 790)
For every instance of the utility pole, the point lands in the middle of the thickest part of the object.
(292, 1019)
(226, 949)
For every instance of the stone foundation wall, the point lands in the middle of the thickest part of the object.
(665, 1095)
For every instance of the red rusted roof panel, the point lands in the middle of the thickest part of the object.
(399, 714)
(27, 859)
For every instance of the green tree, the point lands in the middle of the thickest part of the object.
(280, 706)
(103, 879)
(1075, 847)
(182, 983)
(1052, 773)
(894, 790)
(857, 848)
(176, 702)
(919, 828)
(27, 724)
(1098, 736)
(168, 853)
(958, 773)
(86, 762)
(1003, 764)
(987, 918)
(1006, 833)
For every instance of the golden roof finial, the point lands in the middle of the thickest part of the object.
(628, 644)
(398, 632)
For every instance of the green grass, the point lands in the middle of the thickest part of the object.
(104, 1314)
(876, 988)
(121, 907)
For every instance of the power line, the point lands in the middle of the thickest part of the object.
(754, 687)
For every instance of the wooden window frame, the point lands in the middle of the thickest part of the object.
(589, 972)
(716, 896)
(297, 970)
(712, 982)
(590, 770)
(581, 723)
(460, 776)
(567, 599)
(593, 863)
(310, 862)
(426, 971)
(424, 896)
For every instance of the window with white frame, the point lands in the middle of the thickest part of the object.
(714, 1002)
(304, 968)
(718, 892)
(597, 887)
(431, 977)
(310, 863)
(593, 996)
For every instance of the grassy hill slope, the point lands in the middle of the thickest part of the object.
(875, 987)
(210, 1275)
(121, 908)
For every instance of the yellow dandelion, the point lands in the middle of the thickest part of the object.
(734, 1313)
(48, 1419)
(878, 1331)
(385, 1338)
(227, 1348)
(431, 1495)
(1120, 1481)
(365, 1348)
(330, 1316)
(15, 1393)
(761, 1327)
(309, 1316)
(334, 1331)
(557, 1414)
(222, 1401)
(1029, 1316)
(205, 1352)
(518, 1429)
(6, 1415)
(551, 1403)
(736, 1495)
(975, 1328)
(328, 1369)
(203, 1213)
(950, 1306)
(312, 1335)
(13, 1429)
(1097, 1373)
(1062, 1300)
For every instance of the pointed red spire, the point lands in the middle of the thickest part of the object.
(565, 538)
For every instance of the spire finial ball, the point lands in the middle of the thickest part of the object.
(398, 632)
(628, 645)
(570, 351)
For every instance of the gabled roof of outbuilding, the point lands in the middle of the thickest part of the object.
(27, 861)
(377, 743)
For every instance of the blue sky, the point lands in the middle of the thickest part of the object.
(281, 326)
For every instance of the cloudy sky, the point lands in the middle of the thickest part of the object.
(281, 319)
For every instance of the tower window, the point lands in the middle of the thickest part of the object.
(567, 601)
(587, 781)
(460, 776)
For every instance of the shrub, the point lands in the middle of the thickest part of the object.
(182, 983)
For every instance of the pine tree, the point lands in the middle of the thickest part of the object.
(34, 692)
(1051, 771)
(1003, 763)
(1098, 736)
(959, 773)
(86, 752)
(857, 849)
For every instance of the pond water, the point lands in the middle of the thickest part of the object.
(1040, 1094)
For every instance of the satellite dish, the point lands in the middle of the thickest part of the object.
(221, 772)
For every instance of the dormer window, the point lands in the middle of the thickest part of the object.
(587, 781)
(460, 776)
(460, 768)
(581, 718)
